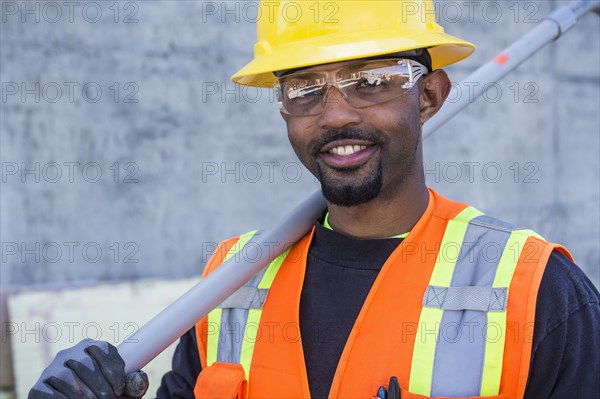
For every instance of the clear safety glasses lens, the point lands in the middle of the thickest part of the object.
(362, 84)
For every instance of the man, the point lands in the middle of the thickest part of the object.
(395, 283)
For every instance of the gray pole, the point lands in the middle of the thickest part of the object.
(551, 28)
(162, 330)
(171, 323)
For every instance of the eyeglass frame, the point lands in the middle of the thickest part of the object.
(415, 71)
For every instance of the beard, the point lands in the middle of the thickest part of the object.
(344, 194)
(340, 187)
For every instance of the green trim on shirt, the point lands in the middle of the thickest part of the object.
(328, 226)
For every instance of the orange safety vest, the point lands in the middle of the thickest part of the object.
(451, 314)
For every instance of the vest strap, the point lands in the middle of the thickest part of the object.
(235, 322)
(483, 299)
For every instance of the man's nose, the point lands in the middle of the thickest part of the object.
(337, 113)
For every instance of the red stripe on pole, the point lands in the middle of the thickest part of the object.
(501, 59)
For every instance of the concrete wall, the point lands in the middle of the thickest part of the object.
(126, 153)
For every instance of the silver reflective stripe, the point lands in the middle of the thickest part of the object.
(494, 224)
(235, 315)
(460, 350)
(231, 335)
(480, 253)
(483, 299)
(246, 298)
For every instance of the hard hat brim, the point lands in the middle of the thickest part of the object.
(444, 49)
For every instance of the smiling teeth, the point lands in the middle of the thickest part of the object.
(347, 149)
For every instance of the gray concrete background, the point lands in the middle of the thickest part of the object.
(187, 159)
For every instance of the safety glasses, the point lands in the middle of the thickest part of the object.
(362, 84)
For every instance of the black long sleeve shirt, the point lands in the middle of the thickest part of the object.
(340, 271)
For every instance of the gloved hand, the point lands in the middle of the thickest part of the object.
(90, 369)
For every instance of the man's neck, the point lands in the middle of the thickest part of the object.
(381, 217)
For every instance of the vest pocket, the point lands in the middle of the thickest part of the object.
(221, 381)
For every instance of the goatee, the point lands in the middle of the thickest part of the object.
(343, 192)
(360, 192)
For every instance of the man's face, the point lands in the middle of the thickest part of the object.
(359, 154)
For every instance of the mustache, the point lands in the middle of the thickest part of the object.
(371, 135)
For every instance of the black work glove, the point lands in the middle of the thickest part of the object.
(90, 369)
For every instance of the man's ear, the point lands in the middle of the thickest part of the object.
(434, 88)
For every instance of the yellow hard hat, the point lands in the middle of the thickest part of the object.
(301, 33)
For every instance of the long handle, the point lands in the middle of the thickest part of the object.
(161, 331)
(550, 29)
(171, 323)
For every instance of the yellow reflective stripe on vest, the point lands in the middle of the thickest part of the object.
(494, 349)
(253, 322)
(429, 322)
(460, 288)
(214, 317)
(221, 347)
